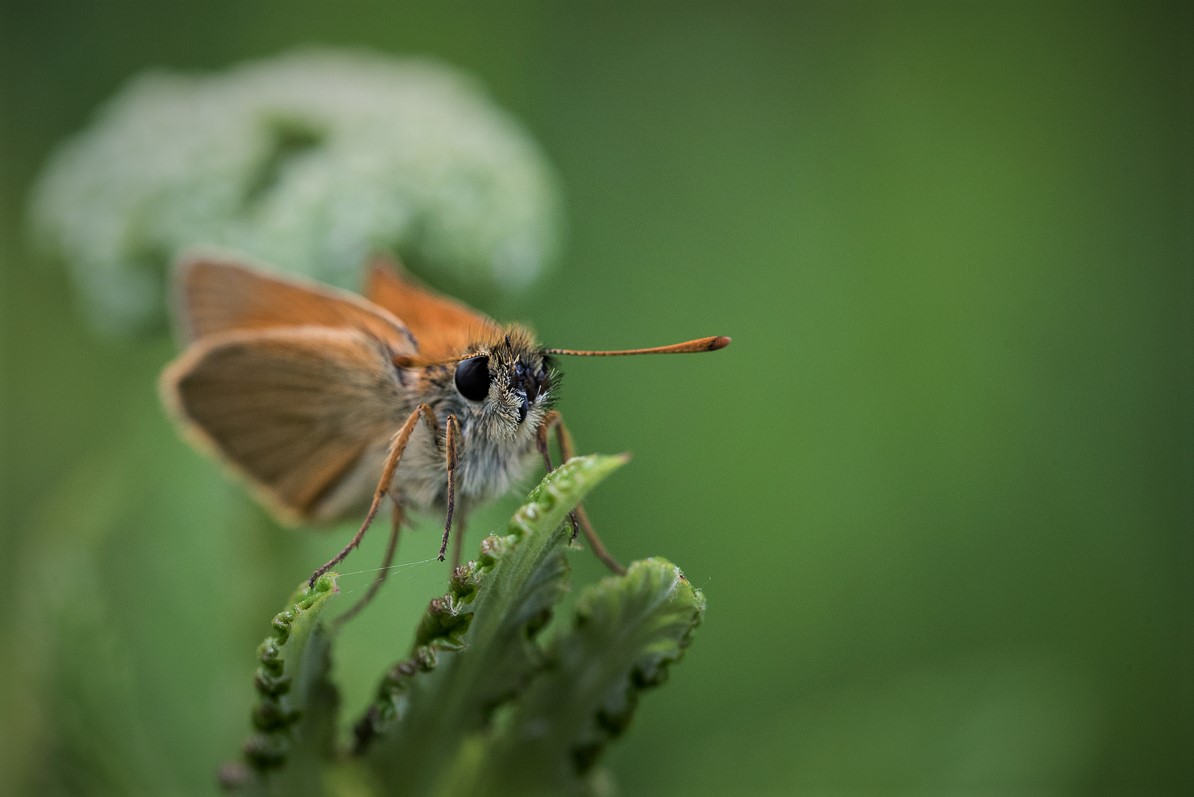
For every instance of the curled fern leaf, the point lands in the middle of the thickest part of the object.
(627, 632)
(294, 717)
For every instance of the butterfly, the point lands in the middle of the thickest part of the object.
(328, 403)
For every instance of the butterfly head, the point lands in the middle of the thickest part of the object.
(509, 381)
(504, 383)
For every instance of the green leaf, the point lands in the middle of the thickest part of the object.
(479, 706)
(295, 715)
(628, 630)
(475, 647)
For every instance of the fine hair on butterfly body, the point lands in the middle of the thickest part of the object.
(328, 403)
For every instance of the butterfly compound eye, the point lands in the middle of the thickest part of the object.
(472, 378)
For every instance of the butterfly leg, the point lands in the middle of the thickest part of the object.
(383, 486)
(555, 421)
(451, 435)
(386, 560)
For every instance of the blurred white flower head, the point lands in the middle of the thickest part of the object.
(312, 161)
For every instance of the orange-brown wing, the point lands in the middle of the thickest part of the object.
(442, 326)
(218, 292)
(292, 409)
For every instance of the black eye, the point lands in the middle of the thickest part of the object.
(472, 378)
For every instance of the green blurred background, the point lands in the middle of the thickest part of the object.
(938, 492)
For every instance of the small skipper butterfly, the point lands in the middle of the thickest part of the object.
(329, 403)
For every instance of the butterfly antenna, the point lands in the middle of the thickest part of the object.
(687, 347)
